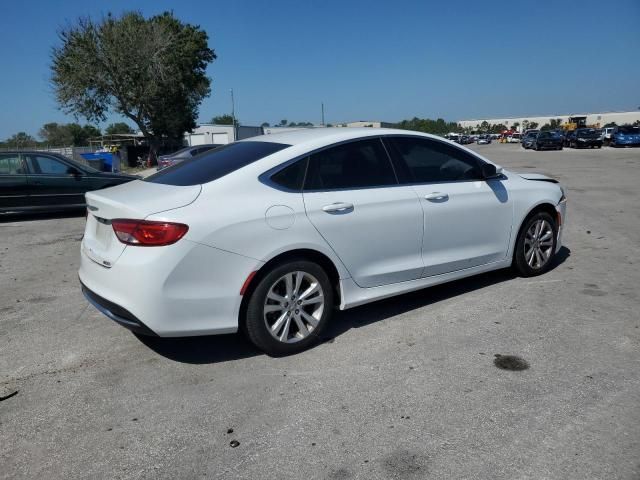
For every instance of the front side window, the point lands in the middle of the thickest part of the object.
(429, 161)
(47, 165)
(361, 164)
(10, 164)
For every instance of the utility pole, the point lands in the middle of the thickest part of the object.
(322, 106)
(233, 116)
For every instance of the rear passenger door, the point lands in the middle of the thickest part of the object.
(352, 197)
(14, 190)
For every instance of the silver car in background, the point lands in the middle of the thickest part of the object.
(165, 161)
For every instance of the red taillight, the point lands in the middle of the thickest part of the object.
(145, 233)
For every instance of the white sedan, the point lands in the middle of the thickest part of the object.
(270, 234)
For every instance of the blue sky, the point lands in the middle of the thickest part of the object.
(373, 60)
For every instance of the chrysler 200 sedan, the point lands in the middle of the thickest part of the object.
(269, 234)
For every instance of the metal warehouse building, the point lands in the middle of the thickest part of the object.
(601, 119)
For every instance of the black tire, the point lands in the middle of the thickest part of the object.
(520, 264)
(560, 147)
(255, 323)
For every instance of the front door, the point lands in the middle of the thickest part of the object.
(374, 225)
(53, 182)
(467, 219)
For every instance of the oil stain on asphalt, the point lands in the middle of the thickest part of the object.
(510, 362)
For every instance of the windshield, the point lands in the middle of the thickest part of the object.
(216, 163)
(79, 165)
(546, 134)
(629, 130)
(587, 132)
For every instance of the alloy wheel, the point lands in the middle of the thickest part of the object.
(538, 244)
(293, 306)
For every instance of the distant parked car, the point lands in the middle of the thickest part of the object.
(484, 139)
(528, 138)
(513, 138)
(625, 136)
(585, 137)
(42, 181)
(165, 161)
(606, 134)
(547, 140)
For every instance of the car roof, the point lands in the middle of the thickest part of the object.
(331, 135)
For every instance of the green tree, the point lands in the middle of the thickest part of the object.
(533, 125)
(555, 123)
(225, 119)
(283, 123)
(60, 134)
(56, 134)
(150, 70)
(515, 125)
(118, 128)
(265, 124)
(20, 140)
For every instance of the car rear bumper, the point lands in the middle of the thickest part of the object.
(116, 313)
(179, 290)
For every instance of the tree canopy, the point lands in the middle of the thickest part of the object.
(118, 128)
(62, 135)
(20, 140)
(150, 70)
(225, 119)
(437, 127)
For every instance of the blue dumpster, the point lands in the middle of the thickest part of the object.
(106, 159)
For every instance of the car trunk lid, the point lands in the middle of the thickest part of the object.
(133, 200)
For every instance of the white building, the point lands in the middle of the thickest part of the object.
(210, 133)
(600, 119)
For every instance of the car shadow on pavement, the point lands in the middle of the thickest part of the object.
(223, 348)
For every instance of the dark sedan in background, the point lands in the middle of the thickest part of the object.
(165, 161)
(584, 138)
(43, 181)
(547, 140)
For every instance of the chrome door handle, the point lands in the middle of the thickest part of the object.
(338, 207)
(436, 196)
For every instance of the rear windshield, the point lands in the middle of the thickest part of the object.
(214, 164)
(629, 130)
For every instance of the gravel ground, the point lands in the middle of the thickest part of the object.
(403, 388)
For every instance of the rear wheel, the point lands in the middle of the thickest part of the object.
(536, 245)
(289, 308)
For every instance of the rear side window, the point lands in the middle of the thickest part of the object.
(291, 177)
(215, 163)
(10, 164)
(361, 164)
(429, 161)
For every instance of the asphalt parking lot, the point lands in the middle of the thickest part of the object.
(403, 388)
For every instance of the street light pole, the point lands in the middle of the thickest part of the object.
(233, 116)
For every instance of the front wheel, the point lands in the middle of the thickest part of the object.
(289, 308)
(536, 245)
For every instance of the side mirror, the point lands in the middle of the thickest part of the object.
(490, 171)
